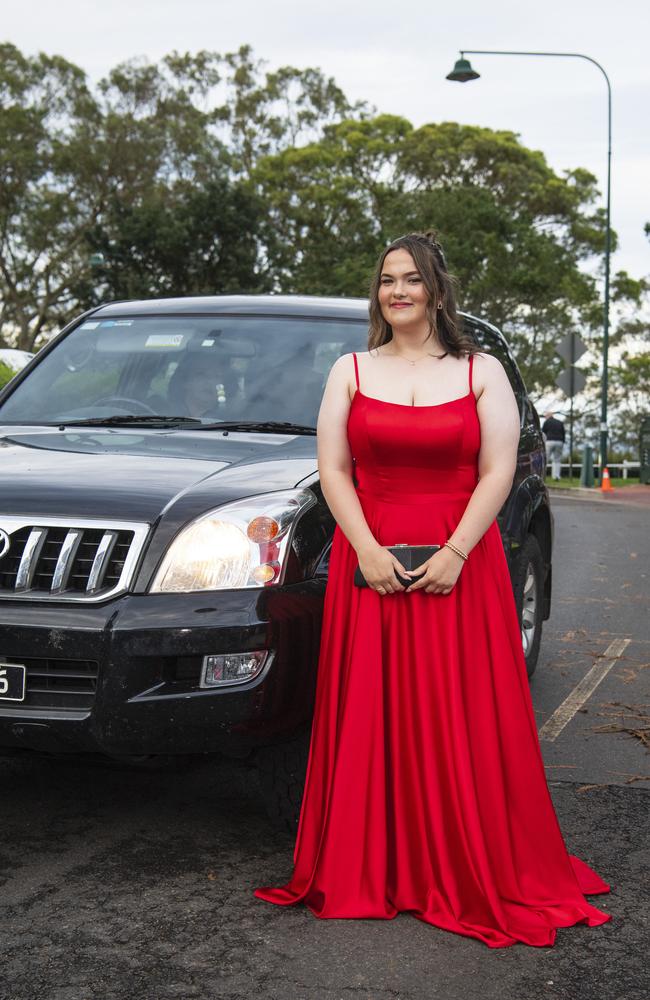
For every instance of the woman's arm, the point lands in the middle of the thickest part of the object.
(335, 458)
(500, 429)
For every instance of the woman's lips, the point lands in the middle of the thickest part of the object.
(401, 305)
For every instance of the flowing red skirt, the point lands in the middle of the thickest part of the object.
(425, 789)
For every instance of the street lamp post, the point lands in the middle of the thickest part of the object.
(462, 72)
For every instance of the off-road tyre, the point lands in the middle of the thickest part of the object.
(528, 588)
(281, 773)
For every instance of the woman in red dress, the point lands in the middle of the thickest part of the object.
(425, 789)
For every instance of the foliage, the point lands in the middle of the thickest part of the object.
(514, 232)
(49, 189)
(148, 174)
(6, 373)
(628, 392)
(206, 173)
(629, 395)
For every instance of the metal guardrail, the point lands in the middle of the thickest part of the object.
(627, 466)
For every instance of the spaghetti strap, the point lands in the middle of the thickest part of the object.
(471, 358)
(356, 369)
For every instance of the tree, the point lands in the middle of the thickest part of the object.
(206, 173)
(149, 174)
(629, 371)
(174, 221)
(265, 113)
(515, 233)
(49, 189)
(6, 373)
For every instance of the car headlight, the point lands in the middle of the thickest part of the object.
(241, 544)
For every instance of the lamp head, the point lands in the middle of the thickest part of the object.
(463, 71)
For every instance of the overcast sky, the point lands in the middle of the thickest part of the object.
(396, 55)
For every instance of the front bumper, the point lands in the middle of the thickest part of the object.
(123, 678)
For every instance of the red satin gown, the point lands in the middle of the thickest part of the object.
(425, 788)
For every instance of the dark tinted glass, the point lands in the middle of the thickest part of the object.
(209, 367)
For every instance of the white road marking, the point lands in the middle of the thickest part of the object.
(583, 690)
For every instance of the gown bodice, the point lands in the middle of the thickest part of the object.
(397, 447)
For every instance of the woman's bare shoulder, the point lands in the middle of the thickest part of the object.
(490, 373)
(341, 361)
(344, 363)
(487, 363)
(359, 354)
(485, 356)
(341, 373)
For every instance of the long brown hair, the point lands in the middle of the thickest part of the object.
(429, 259)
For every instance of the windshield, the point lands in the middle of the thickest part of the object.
(209, 368)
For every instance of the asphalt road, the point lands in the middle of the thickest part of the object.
(117, 884)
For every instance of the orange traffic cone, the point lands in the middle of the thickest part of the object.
(606, 483)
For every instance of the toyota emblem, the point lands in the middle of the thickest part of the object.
(5, 542)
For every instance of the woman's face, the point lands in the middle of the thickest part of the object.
(402, 295)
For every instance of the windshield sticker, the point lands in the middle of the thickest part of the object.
(123, 322)
(90, 326)
(164, 340)
(207, 343)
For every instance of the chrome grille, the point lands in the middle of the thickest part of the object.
(65, 559)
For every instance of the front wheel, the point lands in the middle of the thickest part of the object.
(281, 773)
(528, 587)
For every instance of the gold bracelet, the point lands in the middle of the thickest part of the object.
(453, 548)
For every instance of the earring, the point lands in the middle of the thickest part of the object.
(440, 305)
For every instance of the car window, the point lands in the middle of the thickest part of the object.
(207, 367)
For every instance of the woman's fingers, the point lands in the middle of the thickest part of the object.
(421, 572)
(392, 585)
(423, 580)
(440, 576)
(418, 569)
(432, 586)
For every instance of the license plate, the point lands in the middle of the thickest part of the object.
(12, 682)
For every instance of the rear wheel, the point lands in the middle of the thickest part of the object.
(528, 587)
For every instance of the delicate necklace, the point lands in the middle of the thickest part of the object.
(437, 356)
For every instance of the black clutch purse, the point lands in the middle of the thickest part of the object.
(410, 556)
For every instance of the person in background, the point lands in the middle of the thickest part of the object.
(553, 431)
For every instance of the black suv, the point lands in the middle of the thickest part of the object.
(164, 540)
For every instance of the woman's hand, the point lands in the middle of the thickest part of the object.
(378, 565)
(441, 572)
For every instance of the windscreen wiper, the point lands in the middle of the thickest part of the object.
(127, 419)
(265, 426)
